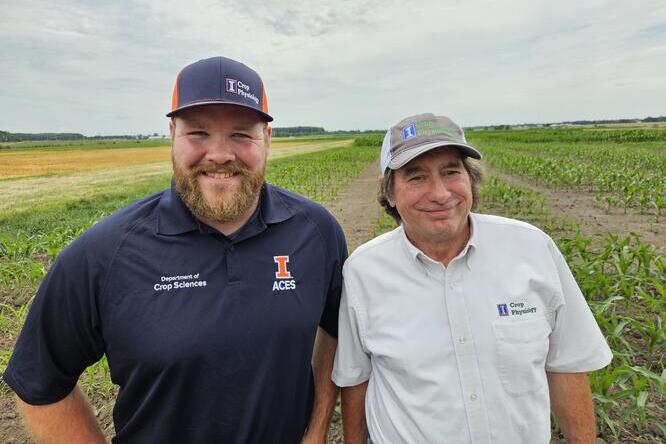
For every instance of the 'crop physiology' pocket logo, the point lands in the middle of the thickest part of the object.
(283, 278)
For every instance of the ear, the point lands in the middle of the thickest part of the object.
(172, 127)
(268, 134)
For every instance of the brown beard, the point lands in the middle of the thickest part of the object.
(221, 209)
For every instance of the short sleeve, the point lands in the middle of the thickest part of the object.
(576, 342)
(61, 335)
(338, 255)
(352, 364)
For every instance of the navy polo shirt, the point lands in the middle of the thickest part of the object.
(209, 337)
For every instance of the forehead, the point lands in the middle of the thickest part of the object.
(435, 158)
(212, 114)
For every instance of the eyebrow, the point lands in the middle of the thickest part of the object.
(243, 125)
(418, 168)
(193, 122)
(412, 170)
(454, 164)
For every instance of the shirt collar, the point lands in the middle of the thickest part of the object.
(430, 264)
(472, 243)
(273, 209)
(175, 218)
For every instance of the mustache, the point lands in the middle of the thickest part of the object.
(445, 207)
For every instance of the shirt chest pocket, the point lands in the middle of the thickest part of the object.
(522, 348)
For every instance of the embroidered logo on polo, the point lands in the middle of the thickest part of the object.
(242, 89)
(515, 308)
(168, 283)
(283, 278)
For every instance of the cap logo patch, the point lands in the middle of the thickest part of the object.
(232, 85)
(409, 132)
(430, 128)
(242, 89)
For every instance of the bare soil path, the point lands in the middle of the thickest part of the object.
(356, 207)
(579, 207)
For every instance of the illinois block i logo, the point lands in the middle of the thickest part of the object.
(283, 278)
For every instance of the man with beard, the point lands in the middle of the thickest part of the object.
(215, 301)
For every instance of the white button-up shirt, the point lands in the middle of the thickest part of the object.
(459, 354)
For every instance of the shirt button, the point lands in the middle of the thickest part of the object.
(462, 339)
(473, 396)
(451, 285)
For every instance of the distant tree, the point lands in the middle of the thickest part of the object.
(298, 131)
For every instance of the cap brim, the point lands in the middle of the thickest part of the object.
(264, 116)
(403, 158)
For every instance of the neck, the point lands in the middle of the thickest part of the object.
(442, 249)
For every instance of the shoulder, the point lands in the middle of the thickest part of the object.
(489, 225)
(302, 206)
(103, 238)
(523, 241)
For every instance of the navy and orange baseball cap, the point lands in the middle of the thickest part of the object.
(219, 80)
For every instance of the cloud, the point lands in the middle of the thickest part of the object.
(109, 67)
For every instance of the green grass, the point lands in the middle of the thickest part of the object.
(70, 145)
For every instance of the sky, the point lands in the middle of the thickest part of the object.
(108, 67)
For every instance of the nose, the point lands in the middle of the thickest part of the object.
(220, 150)
(438, 191)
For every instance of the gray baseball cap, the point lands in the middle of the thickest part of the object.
(418, 134)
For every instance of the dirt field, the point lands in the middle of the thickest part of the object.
(44, 162)
(578, 207)
(357, 210)
(29, 178)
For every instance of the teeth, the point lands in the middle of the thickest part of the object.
(220, 175)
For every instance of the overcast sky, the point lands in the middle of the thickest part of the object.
(104, 67)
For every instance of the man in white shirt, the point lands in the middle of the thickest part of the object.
(459, 327)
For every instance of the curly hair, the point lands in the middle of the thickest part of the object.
(472, 166)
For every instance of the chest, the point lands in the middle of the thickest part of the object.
(433, 322)
(203, 300)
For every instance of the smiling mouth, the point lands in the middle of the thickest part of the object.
(441, 210)
(219, 175)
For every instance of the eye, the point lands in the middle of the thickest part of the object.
(417, 179)
(197, 133)
(241, 136)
